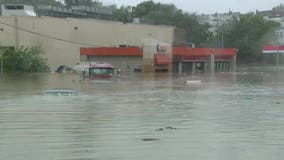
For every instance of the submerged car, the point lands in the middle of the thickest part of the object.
(60, 92)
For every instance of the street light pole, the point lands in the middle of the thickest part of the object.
(277, 52)
(222, 37)
(277, 57)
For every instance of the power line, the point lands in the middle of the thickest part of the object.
(47, 36)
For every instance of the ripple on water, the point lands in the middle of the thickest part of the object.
(227, 116)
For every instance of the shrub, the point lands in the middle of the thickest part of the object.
(25, 59)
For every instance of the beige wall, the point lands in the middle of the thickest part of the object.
(61, 42)
(7, 34)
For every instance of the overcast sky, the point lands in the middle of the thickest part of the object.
(209, 6)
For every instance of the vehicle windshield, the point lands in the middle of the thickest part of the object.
(101, 71)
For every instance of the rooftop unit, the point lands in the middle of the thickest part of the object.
(17, 10)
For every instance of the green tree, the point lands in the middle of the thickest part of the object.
(168, 14)
(196, 32)
(25, 59)
(247, 33)
(123, 14)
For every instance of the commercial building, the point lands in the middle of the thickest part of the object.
(62, 38)
(130, 46)
(274, 49)
(184, 58)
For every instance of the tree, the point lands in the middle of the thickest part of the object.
(247, 33)
(123, 14)
(197, 33)
(168, 14)
(25, 59)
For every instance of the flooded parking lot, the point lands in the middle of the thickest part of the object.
(139, 116)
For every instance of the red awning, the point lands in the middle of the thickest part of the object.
(162, 59)
(272, 49)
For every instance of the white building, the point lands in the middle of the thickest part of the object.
(17, 10)
(216, 20)
(277, 16)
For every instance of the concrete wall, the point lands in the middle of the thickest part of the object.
(61, 39)
(7, 33)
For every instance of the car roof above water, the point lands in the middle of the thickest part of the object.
(61, 92)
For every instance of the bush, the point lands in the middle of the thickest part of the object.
(25, 59)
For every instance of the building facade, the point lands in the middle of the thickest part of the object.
(130, 47)
(184, 59)
(62, 38)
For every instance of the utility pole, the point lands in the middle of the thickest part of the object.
(2, 57)
(16, 33)
(277, 53)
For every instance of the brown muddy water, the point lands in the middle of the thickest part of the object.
(232, 116)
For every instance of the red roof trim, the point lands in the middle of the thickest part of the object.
(188, 51)
(136, 51)
(272, 49)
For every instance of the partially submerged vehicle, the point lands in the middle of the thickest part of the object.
(101, 71)
(64, 69)
(60, 92)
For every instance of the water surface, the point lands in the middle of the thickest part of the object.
(227, 116)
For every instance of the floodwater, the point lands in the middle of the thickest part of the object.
(233, 116)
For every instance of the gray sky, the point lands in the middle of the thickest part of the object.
(209, 6)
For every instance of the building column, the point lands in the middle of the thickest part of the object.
(205, 66)
(234, 63)
(277, 58)
(212, 63)
(180, 67)
(149, 49)
(193, 67)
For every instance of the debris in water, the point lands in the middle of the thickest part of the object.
(193, 82)
(150, 139)
(160, 129)
(169, 127)
(166, 128)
